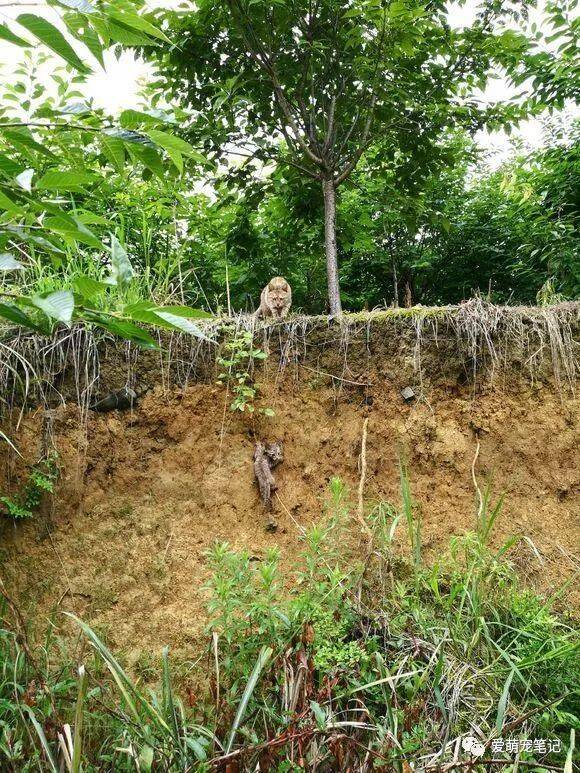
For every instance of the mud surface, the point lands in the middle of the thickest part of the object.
(144, 493)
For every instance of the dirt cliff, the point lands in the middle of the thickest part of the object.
(143, 493)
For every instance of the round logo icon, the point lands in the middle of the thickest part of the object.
(472, 745)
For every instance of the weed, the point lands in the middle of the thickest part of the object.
(236, 363)
(335, 670)
(40, 481)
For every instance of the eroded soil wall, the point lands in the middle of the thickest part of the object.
(143, 493)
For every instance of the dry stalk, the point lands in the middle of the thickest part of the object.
(475, 485)
(361, 485)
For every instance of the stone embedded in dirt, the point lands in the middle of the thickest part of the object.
(120, 400)
(407, 394)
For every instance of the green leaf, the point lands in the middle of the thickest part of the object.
(13, 314)
(185, 311)
(26, 236)
(130, 119)
(22, 139)
(503, 702)
(57, 180)
(196, 748)
(8, 166)
(168, 702)
(149, 158)
(7, 204)
(9, 263)
(263, 658)
(83, 6)
(87, 217)
(79, 714)
(7, 34)
(123, 329)
(58, 305)
(132, 696)
(48, 34)
(72, 229)
(177, 159)
(127, 36)
(114, 151)
(170, 317)
(135, 22)
(45, 745)
(171, 142)
(88, 287)
(183, 324)
(77, 25)
(144, 311)
(319, 715)
(129, 136)
(121, 269)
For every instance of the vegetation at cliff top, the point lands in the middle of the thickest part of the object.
(158, 215)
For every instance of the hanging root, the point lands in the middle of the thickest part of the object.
(487, 339)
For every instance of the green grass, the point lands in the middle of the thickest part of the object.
(356, 660)
(162, 283)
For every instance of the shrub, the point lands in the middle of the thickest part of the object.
(40, 481)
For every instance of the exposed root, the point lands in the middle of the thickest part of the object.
(487, 339)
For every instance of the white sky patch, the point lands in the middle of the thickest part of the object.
(118, 86)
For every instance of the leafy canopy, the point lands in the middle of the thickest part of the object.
(58, 155)
(316, 82)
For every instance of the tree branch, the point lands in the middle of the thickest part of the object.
(263, 60)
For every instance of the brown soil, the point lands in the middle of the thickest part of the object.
(143, 494)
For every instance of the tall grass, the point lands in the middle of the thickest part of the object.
(161, 280)
(352, 666)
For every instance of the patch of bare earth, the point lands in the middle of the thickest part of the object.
(143, 493)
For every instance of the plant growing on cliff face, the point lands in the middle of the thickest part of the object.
(236, 362)
(40, 481)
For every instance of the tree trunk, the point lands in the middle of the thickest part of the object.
(330, 247)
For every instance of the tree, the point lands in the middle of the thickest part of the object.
(443, 229)
(314, 83)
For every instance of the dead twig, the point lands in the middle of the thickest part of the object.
(361, 484)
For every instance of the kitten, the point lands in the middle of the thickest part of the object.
(266, 457)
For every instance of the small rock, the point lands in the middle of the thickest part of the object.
(120, 400)
(407, 394)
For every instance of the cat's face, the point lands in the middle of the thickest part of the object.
(275, 451)
(278, 293)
